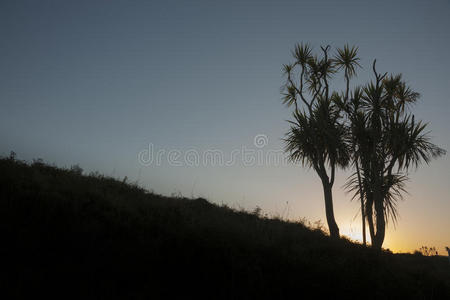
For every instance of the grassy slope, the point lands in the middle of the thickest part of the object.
(72, 235)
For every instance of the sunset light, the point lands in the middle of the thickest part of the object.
(269, 149)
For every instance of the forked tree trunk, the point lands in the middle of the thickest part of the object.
(381, 223)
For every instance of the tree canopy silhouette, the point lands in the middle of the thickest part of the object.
(317, 136)
(387, 142)
(370, 128)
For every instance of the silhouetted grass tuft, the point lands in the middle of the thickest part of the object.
(68, 235)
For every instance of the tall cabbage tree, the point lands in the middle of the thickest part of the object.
(388, 142)
(317, 137)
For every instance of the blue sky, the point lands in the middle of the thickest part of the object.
(95, 82)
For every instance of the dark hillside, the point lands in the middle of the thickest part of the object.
(67, 235)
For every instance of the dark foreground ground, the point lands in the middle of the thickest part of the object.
(67, 235)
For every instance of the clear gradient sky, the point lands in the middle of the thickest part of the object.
(94, 82)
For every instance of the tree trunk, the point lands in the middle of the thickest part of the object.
(369, 217)
(381, 223)
(361, 197)
(332, 225)
(363, 220)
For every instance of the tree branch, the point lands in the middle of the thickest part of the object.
(324, 74)
(299, 91)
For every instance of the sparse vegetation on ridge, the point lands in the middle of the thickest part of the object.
(70, 235)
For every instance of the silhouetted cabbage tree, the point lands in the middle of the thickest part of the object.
(370, 128)
(318, 136)
(386, 142)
